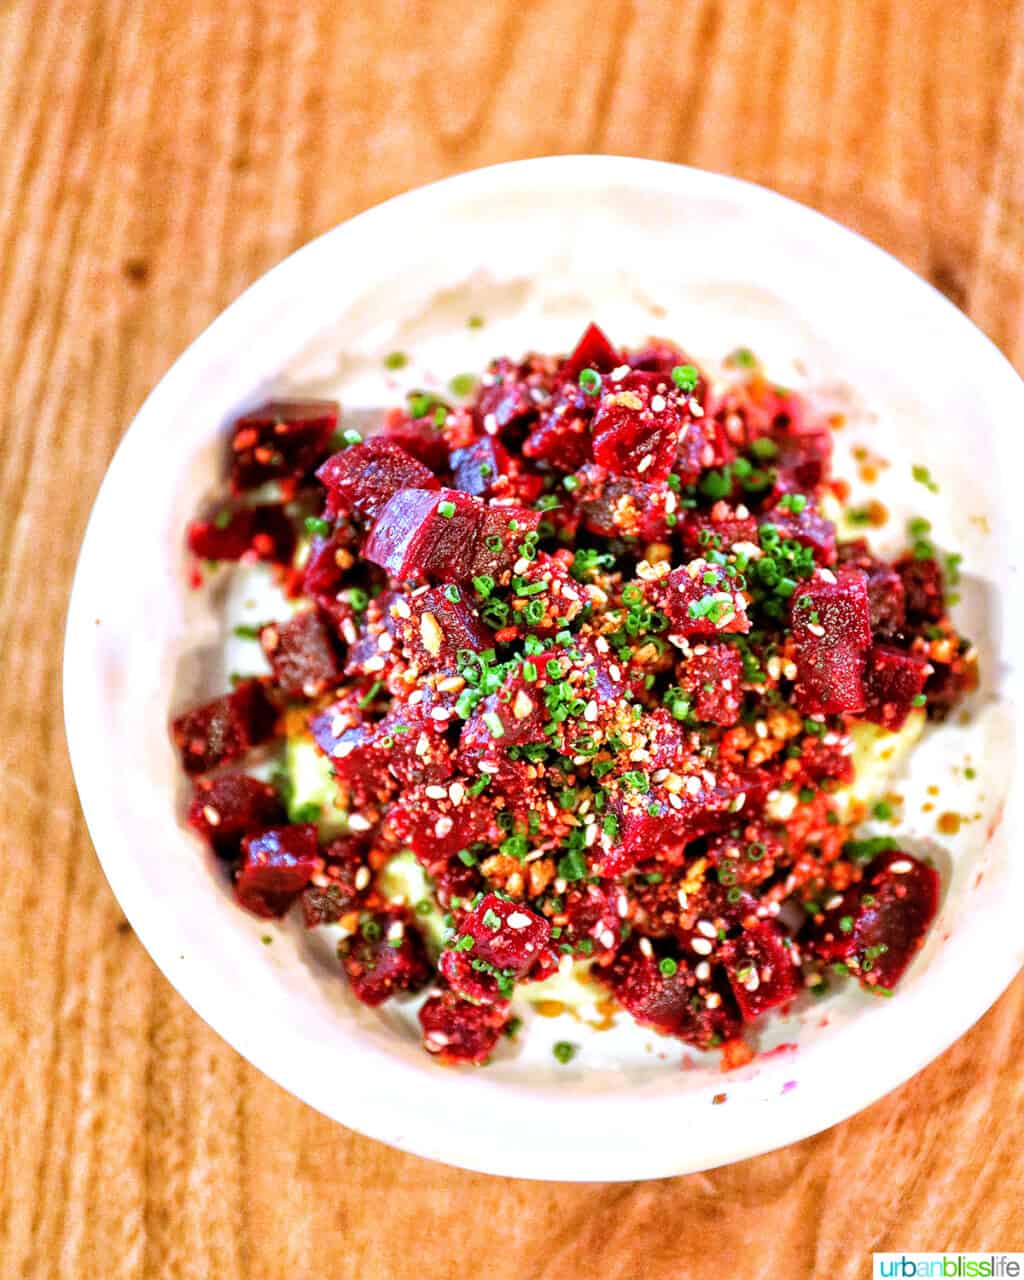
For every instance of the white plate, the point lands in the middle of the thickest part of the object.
(539, 248)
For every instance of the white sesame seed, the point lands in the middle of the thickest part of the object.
(211, 815)
(702, 946)
(442, 827)
(702, 971)
(712, 1000)
(518, 920)
(645, 947)
(707, 929)
(362, 878)
(400, 609)
(436, 793)
(456, 793)
(657, 404)
(835, 901)
(358, 823)
(901, 868)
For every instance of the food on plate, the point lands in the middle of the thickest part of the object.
(572, 683)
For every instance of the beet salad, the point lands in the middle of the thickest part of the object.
(576, 660)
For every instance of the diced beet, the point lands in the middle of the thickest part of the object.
(924, 587)
(370, 759)
(479, 465)
(804, 459)
(615, 507)
(456, 883)
(301, 654)
(660, 822)
(561, 436)
(435, 830)
(761, 969)
(821, 760)
(506, 935)
(275, 867)
(593, 351)
(385, 957)
(421, 437)
(591, 917)
(746, 856)
(886, 593)
(457, 1031)
(713, 676)
(661, 356)
(806, 526)
(431, 627)
(365, 477)
(515, 715)
(718, 530)
(704, 445)
(700, 599)
(698, 1011)
(880, 923)
(424, 533)
(894, 680)
(348, 879)
(225, 808)
(508, 396)
(259, 533)
(497, 546)
(950, 681)
(224, 729)
(831, 624)
(637, 429)
(474, 979)
(328, 560)
(283, 440)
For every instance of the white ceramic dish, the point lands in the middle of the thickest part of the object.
(539, 248)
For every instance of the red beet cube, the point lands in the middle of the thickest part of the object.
(500, 538)
(301, 654)
(561, 436)
(614, 507)
(592, 916)
(224, 729)
(761, 969)
(879, 924)
(421, 437)
(806, 526)
(457, 1031)
(886, 593)
(365, 477)
(698, 1011)
(508, 396)
(804, 458)
(431, 627)
(894, 680)
(225, 808)
(479, 465)
(700, 599)
(705, 445)
(283, 440)
(924, 588)
(831, 624)
(637, 427)
(593, 351)
(713, 676)
(424, 533)
(474, 979)
(505, 934)
(437, 829)
(328, 559)
(257, 533)
(276, 866)
(348, 880)
(371, 759)
(385, 957)
(718, 530)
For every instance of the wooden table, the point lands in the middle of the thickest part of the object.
(157, 158)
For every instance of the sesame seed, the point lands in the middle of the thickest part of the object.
(702, 946)
(518, 920)
(712, 1000)
(211, 815)
(702, 971)
(645, 947)
(358, 823)
(442, 827)
(901, 868)
(362, 878)
(707, 929)
(436, 793)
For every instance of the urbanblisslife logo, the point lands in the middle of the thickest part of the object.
(956, 1266)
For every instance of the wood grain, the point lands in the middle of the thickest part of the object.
(156, 159)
